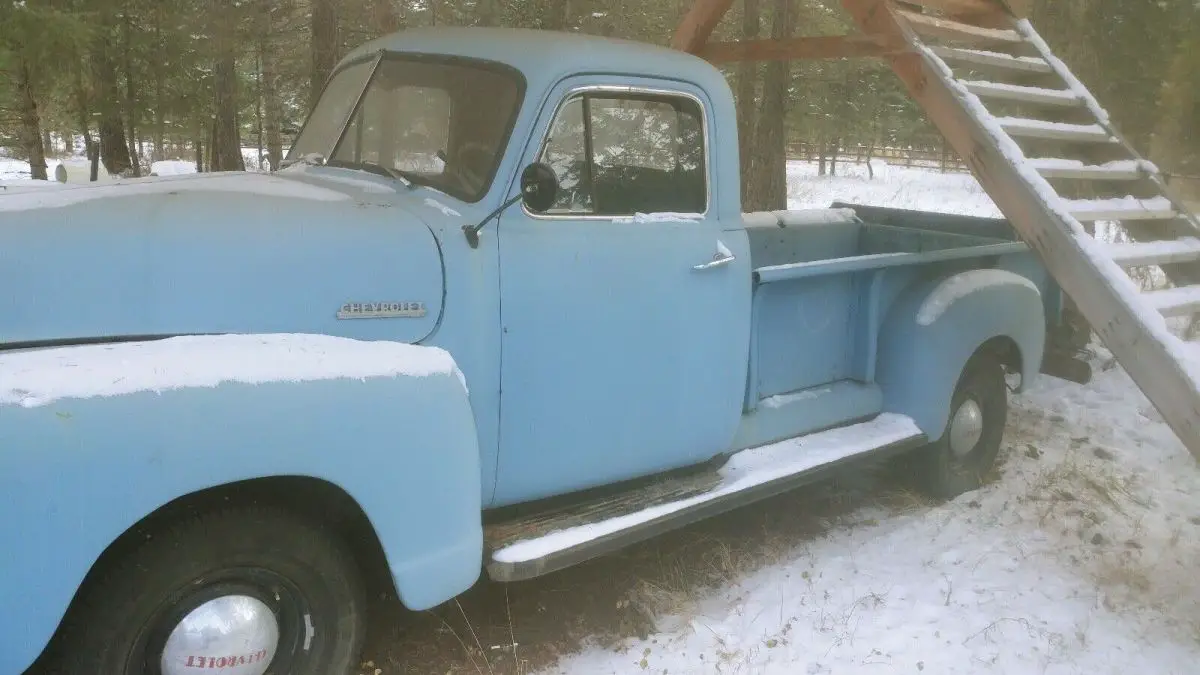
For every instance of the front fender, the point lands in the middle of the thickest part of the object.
(936, 325)
(75, 473)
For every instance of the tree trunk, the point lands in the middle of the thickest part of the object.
(554, 15)
(385, 17)
(131, 108)
(272, 105)
(769, 184)
(324, 29)
(31, 132)
(160, 152)
(114, 151)
(1172, 141)
(747, 84)
(258, 109)
(489, 14)
(225, 145)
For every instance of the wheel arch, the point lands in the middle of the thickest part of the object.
(317, 501)
(937, 326)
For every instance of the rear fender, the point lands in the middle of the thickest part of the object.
(936, 325)
(77, 473)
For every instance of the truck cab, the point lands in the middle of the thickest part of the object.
(515, 318)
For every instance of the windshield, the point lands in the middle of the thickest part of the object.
(438, 122)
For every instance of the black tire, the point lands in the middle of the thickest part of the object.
(302, 573)
(945, 474)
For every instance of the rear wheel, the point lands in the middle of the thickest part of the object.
(243, 592)
(967, 450)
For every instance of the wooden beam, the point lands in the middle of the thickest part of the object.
(698, 24)
(812, 47)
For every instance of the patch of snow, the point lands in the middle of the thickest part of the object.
(251, 183)
(1025, 123)
(1173, 299)
(1082, 207)
(1167, 248)
(333, 176)
(916, 188)
(963, 284)
(803, 217)
(1033, 60)
(172, 167)
(661, 217)
(782, 400)
(1122, 165)
(38, 377)
(446, 210)
(744, 470)
(1064, 95)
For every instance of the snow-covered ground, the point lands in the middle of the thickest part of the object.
(1079, 559)
(14, 171)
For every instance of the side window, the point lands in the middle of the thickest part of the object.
(621, 154)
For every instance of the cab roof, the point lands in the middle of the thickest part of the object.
(545, 56)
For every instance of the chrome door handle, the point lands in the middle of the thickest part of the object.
(722, 257)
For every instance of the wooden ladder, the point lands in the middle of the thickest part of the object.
(1049, 157)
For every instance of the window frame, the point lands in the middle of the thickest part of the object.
(618, 91)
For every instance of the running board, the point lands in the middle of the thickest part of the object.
(531, 546)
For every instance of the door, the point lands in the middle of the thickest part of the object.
(625, 308)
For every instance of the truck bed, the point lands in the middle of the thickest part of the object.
(824, 280)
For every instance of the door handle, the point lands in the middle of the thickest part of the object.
(721, 258)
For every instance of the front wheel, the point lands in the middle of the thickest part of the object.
(967, 450)
(242, 591)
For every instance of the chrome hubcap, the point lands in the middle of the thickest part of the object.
(966, 428)
(230, 635)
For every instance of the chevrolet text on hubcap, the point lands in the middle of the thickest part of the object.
(966, 428)
(232, 634)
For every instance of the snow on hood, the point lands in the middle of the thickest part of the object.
(233, 181)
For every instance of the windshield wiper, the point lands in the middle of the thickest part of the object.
(375, 168)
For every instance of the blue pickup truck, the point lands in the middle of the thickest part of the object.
(500, 313)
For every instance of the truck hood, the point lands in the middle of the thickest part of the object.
(215, 253)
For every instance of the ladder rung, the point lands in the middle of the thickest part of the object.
(932, 26)
(1127, 208)
(1014, 92)
(958, 6)
(1125, 169)
(1140, 253)
(1054, 131)
(1173, 302)
(1026, 64)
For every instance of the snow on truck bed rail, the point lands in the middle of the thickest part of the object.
(32, 378)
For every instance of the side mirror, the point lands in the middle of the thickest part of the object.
(539, 187)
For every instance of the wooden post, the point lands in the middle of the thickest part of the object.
(698, 24)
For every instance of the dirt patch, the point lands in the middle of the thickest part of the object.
(611, 598)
